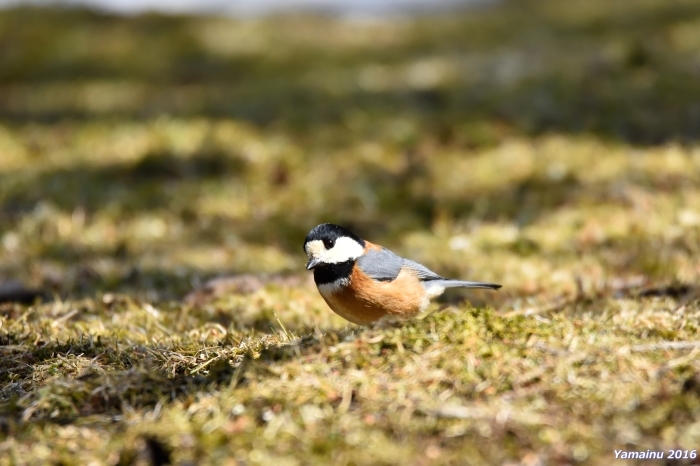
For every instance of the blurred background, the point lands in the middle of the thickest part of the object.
(147, 146)
(262, 7)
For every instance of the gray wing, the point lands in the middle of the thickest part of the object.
(384, 265)
(424, 273)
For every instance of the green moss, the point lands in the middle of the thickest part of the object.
(551, 148)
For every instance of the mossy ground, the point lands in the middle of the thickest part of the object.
(552, 147)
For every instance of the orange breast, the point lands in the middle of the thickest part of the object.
(365, 301)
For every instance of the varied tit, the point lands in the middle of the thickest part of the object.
(363, 282)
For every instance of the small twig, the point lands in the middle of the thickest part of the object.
(666, 345)
(64, 317)
(549, 349)
(204, 365)
(458, 412)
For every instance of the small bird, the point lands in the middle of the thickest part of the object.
(364, 282)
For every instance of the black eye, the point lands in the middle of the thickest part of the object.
(329, 242)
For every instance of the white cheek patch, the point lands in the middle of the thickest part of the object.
(315, 248)
(345, 249)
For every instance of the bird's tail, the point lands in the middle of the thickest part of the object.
(465, 284)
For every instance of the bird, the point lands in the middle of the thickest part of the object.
(366, 283)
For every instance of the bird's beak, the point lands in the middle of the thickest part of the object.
(313, 262)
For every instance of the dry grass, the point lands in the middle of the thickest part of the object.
(554, 151)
